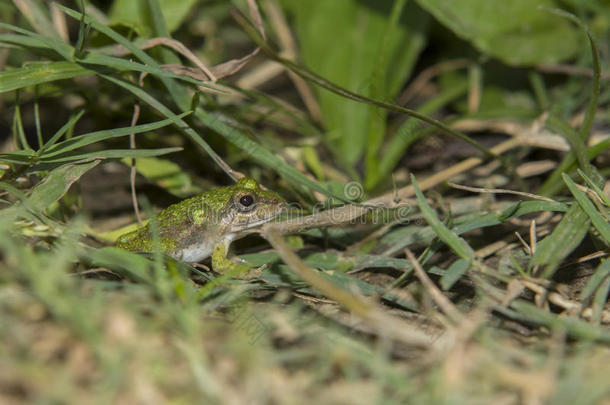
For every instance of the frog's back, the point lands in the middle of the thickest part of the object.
(182, 226)
(136, 241)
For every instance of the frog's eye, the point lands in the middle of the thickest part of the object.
(246, 202)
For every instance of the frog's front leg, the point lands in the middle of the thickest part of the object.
(222, 264)
(228, 268)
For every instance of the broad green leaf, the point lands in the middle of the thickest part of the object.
(377, 126)
(134, 14)
(517, 32)
(166, 174)
(159, 27)
(57, 183)
(367, 51)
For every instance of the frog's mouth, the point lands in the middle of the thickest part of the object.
(248, 222)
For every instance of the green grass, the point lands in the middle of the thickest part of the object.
(381, 109)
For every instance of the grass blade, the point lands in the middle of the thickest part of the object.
(35, 73)
(109, 154)
(566, 237)
(98, 136)
(57, 183)
(602, 271)
(454, 273)
(599, 222)
(457, 244)
(61, 131)
(585, 128)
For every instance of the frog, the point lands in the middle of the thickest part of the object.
(206, 224)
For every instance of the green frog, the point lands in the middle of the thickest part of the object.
(206, 224)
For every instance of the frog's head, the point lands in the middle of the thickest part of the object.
(247, 206)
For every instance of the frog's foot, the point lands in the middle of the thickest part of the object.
(253, 273)
(228, 268)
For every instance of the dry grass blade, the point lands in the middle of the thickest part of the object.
(443, 302)
(500, 191)
(202, 72)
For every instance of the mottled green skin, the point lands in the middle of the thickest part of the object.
(190, 229)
